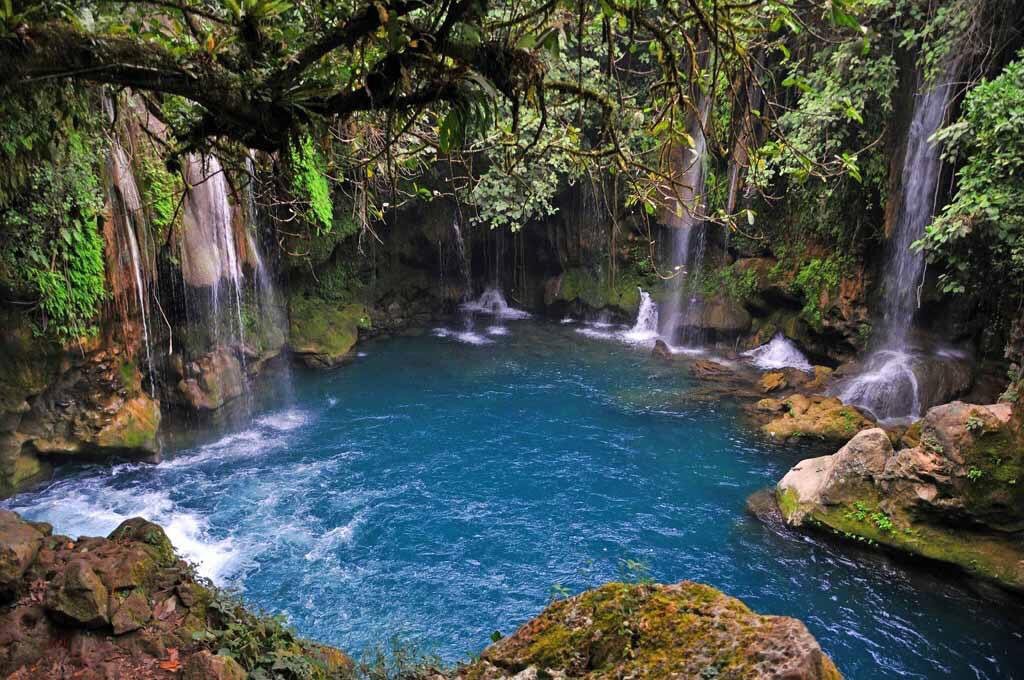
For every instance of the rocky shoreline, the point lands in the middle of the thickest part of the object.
(126, 606)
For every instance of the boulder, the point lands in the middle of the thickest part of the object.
(19, 544)
(772, 382)
(954, 496)
(705, 369)
(661, 351)
(212, 380)
(686, 630)
(78, 597)
(323, 333)
(816, 416)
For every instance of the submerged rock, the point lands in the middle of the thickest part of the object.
(956, 496)
(126, 607)
(817, 417)
(686, 630)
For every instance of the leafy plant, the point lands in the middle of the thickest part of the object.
(974, 473)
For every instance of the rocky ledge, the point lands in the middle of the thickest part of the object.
(126, 607)
(686, 630)
(955, 493)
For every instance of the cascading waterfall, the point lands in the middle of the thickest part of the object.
(887, 386)
(460, 249)
(686, 223)
(646, 327)
(209, 252)
(129, 217)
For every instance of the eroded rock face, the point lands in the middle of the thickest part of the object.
(212, 380)
(118, 607)
(954, 496)
(686, 630)
(57, 403)
(816, 417)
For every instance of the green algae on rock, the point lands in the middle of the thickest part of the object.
(813, 417)
(954, 497)
(322, 333)
(686, 630)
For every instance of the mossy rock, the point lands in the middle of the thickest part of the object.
(596, 292)
(322, 333)
(133, 428)
(687, 630)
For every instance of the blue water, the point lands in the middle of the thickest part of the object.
(437, 491)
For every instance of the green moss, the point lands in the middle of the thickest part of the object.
(325, 330)
(309, 183)
(788, 502)
(596, 291)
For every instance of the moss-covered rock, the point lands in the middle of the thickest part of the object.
(954, 497)
(814, 417)
(595, 291)
(686, 630)
(322, 333)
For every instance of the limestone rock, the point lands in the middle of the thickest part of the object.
(134, 427)
(686, 630)
(817, 416)
(772, 382)
(710, 370)
(212, 380)
(130, 613)
(953, 496)
(78, 596)
(19, 544)
(661, 351)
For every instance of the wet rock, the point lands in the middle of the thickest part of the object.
(212, 380)
(954, 496)
(719, 317)
(130, 612)
(133, 427)
(817, 416)
(19, 544)
(710, 370)
(686, 630)
(323, 333)
(661, 351)
(773, 382)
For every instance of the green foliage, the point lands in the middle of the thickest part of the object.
(974, 424)
(862, 512)
(397, 661)
(815, 278)
(634, 571)
(974, 474)
(734, 284)
(53, 249)
(161, 192)
(985, 220)
(309, 183)
(265, 646)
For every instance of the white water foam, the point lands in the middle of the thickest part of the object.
(338, 536)
(780, 352)
(467, 337)
(886, 387)
(493, 302)
(645, 330)
(96, 509)
(284, 420)
(497, 330)
(567, 320)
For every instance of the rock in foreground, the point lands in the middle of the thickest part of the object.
(127, 607)
(687, 630)
(957, 496)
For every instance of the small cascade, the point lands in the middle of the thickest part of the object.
(129, 220)
(460, 249)
(887, 386)
(493, 302)
(646, 327)
(780, 352)
(686, 223)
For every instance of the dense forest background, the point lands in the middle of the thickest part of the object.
(371, 164)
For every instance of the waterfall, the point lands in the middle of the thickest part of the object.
(209, 252)
(686, 223)
(646, 327)
(887, 386)
(780, 352)
(460, 249)
(129, 218)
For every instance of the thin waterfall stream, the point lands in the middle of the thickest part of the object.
(887, 385)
